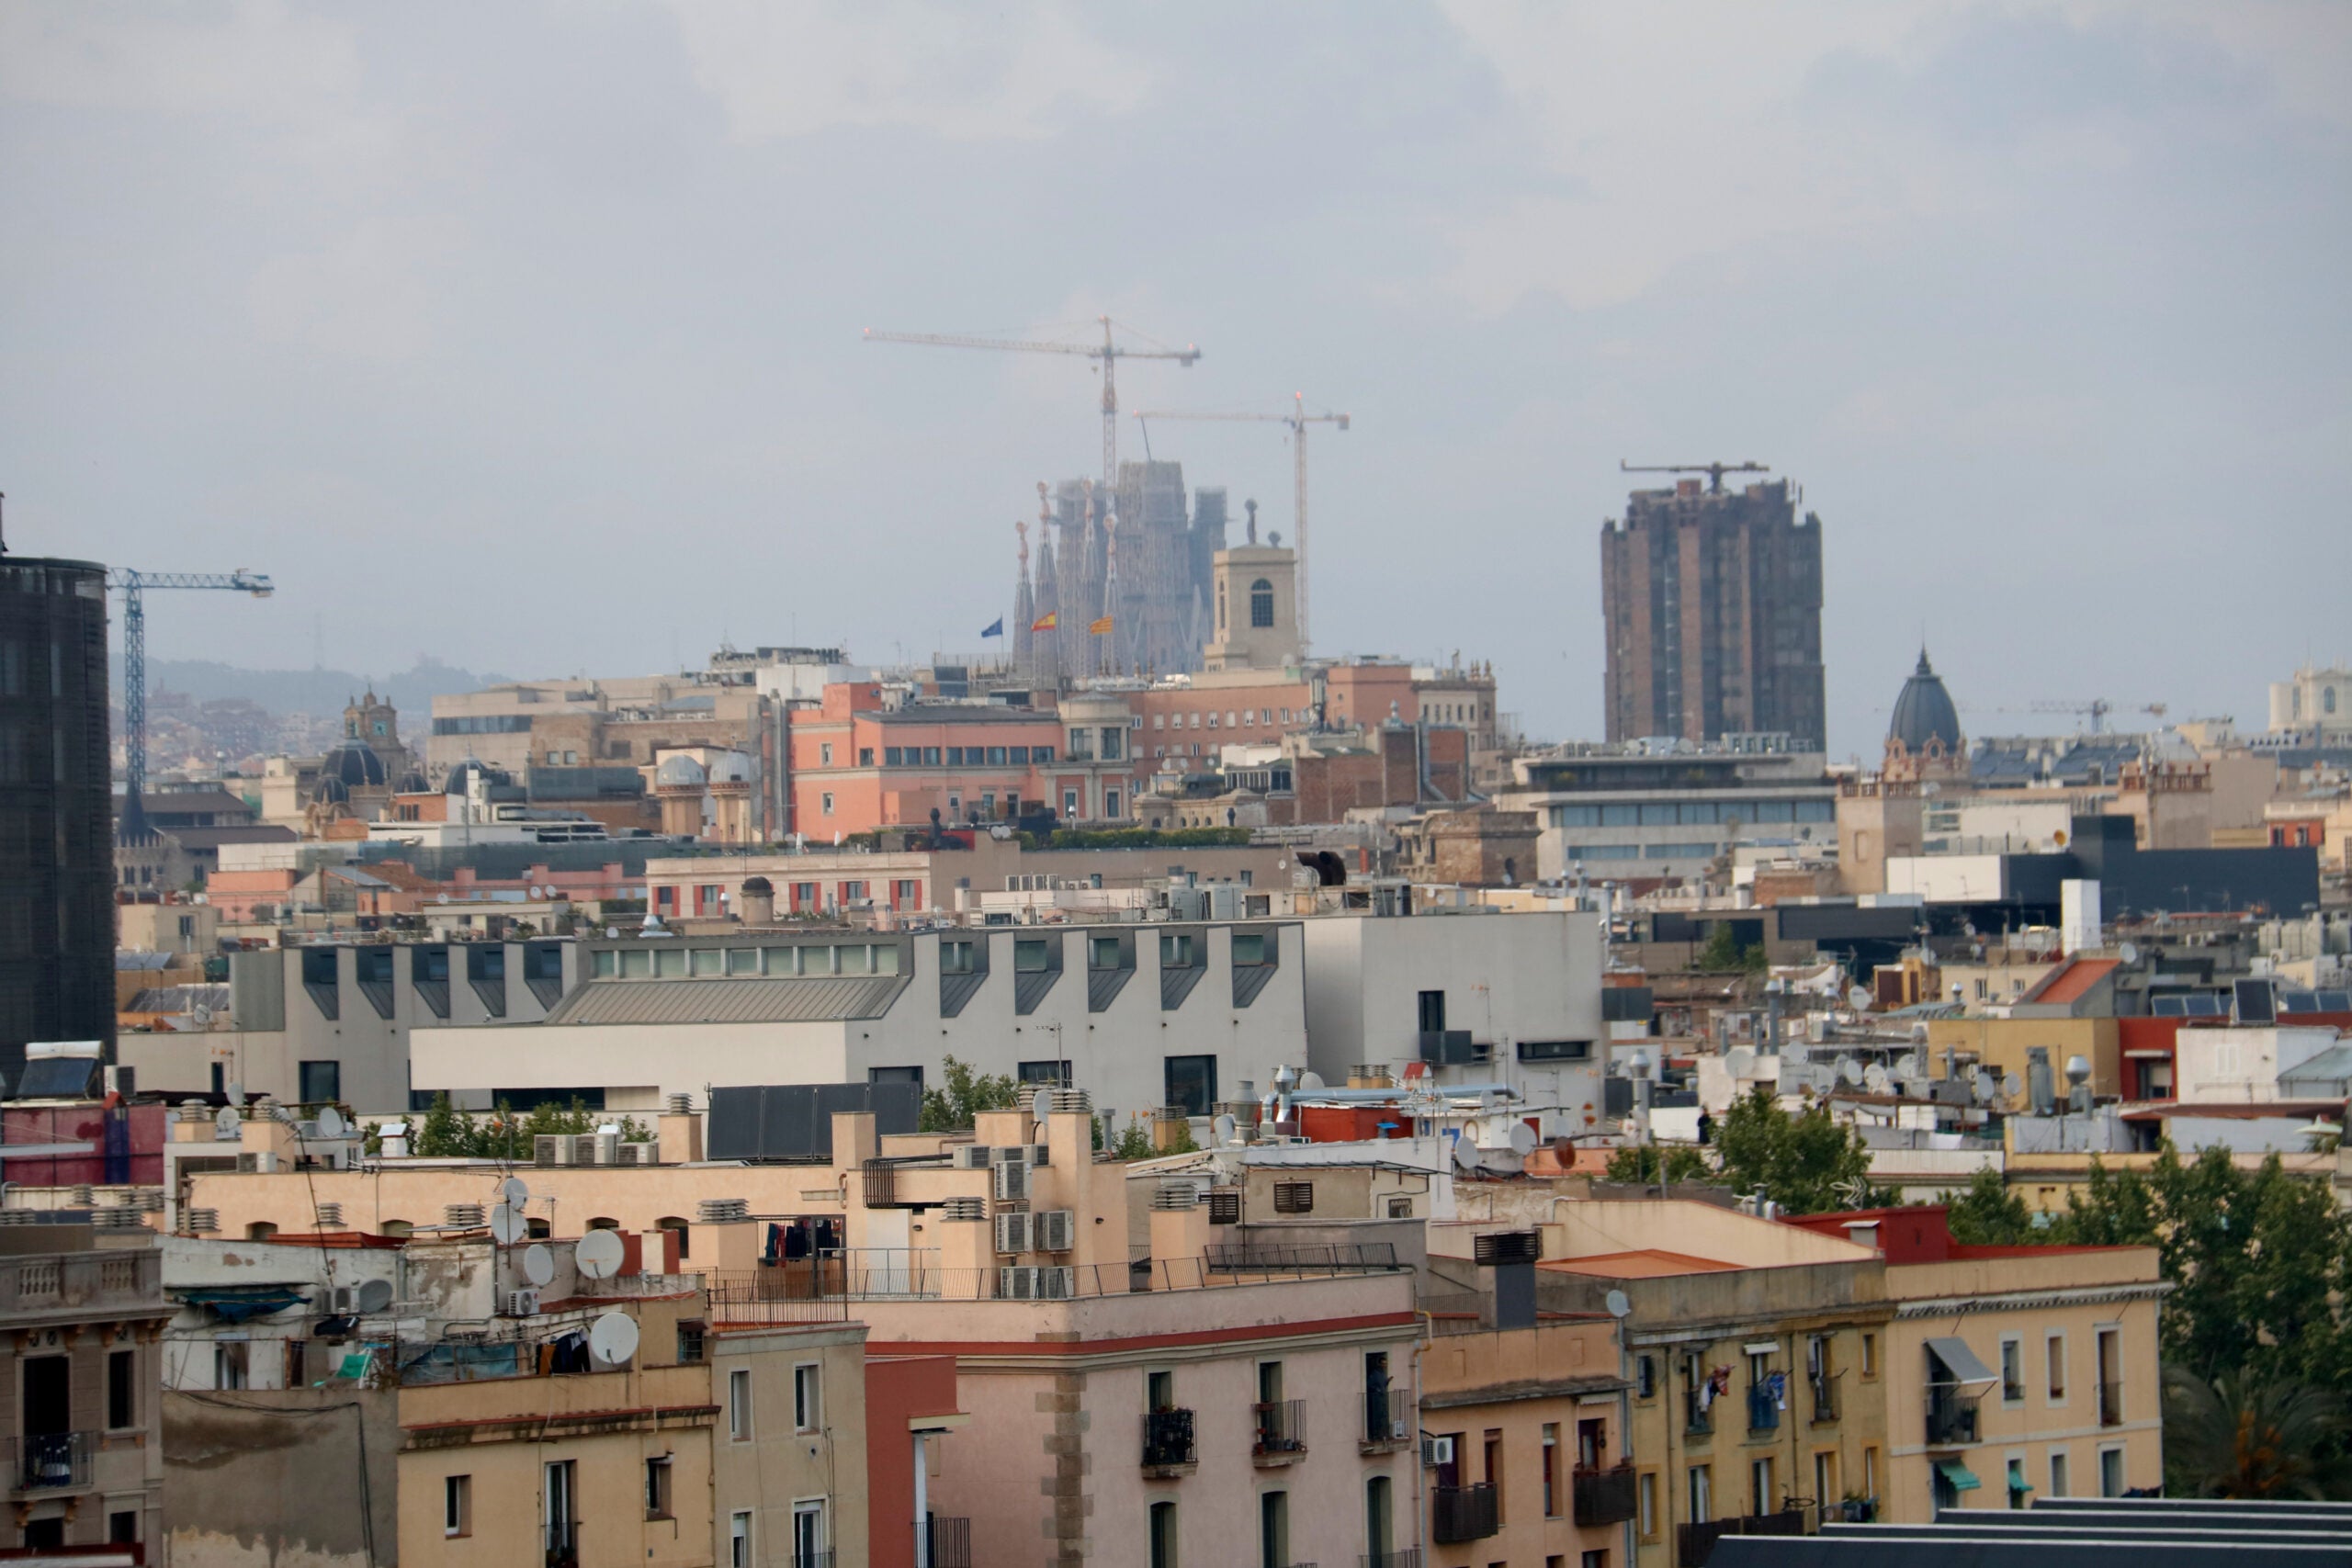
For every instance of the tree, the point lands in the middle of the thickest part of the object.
(1806, 1163)
(1721, 952)
(955, 1106)
(1134, 1142)
(447, 1132)
(1987, 1213)
(2236, 1435)
(1648, 1164)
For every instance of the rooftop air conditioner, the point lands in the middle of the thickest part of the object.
(1012, 1232)
(972, 1156)
(1056, 1230)
(640, 1154)
(1012, 1182)
(551, 1148)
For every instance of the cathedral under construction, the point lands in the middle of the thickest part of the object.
(1121, 582)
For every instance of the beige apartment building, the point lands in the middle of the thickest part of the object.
(2012, 1373)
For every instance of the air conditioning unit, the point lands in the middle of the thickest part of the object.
(1012, 1182)
(597, 1148)
(973, 1156)
(343, 1301)
(640, 1154)
(551, 1148)
(1013, 1232)
(522, 1303)
(1017, 1284)
(1056, 1230)
(1400, 1429)
(1436, 1451)
(1040, 1155)
(1056, 1284)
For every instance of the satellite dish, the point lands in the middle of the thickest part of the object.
(1860, 998)
(2010, 1085)
(225, 1120)
(507, 1227)
(1309, 1082)
(1984, 1083)
(1874, 1079)
(330, 1122)
(375, 1295)
(2129, 952)
(598, 1256)
(1522, 1139)
(513, 1191)
(1225, 1127)
(1907, 1064)
(538, 1264)
(440, 897)
(1618, 1303)
(1465, 1152)
(612, 1339)
(1739, 1060)
(1849, 1071)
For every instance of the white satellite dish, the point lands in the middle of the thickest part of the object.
(2129, 952)
(1309, 1082)
(1906, 1066)
(506, 1226)
(1874, 1079)
(1849, 1071)
(513, 1191)
(2010, 1085)
(538, 1264)
(1860, 998)
(612, 1339)
(375, 1295)
(440, 897)
(330, 1122)
(599, 1254)
(1522, 1139)
(1465, 1152)
(1984, 1084)
(1618, 1303)
(1225, 1127)
(1739, 1060)
(225, 1120)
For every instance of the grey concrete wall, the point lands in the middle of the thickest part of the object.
(274, 1478)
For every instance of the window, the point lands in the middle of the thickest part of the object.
(825, 803)
(1115, 745)
(825, 755)
(865, 756)
(1869, 1354)
(1249, 949)
(739, 1539)
(957, 957)
(1432, 1011)
(1043, 1073)
(739, 1405)
(1081, 745)
(1111, 803)
(2111, 1473)
(1029, 956)
(1703, 1501)
(1645, 1505)
(1293, 1196)
(1163, 1535)
(1262, 603)
(2054, 1353)
(2058, 1472)
(2019, 1487)
(1020, 756)
(930, 756)
(808, 1532)
(322, 1082)
(1551, 1469)
(657, 1487)
(997, 756)
(1379, 1518)
(1104, 953)
(907, 893)
(807, 1417)
(890, 755)
(1176, 950)
(1041, 754)
(457, 1505)
(1191, 1083)
(1760, 1485)
(229, 1364)
(1869, 1473)
(1825, 1476)
(2012, 1371)
(1274, 1529)
(122, 1389)
(693, 1337)
(1070, 804)
(123, 1527)
(1645, 1376)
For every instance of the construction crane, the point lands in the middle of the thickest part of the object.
(134, 586)
(1714, 471)
(1109, 353)
(2096, 710)
(1295, 420)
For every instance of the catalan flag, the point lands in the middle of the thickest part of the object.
(1045, 623)
(1101, 627)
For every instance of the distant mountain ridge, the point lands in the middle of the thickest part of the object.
(315, 691)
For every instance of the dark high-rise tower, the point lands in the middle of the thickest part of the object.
(1713, 604)
(56, 809)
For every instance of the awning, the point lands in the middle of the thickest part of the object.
(1961, 1362)
(237, 1303)
(1958, 1476)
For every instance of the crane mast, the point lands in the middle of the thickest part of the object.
(1295, 420)
(133, 585)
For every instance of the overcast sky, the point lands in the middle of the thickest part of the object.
(529, 336)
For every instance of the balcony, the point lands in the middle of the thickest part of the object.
(2110, 1404)
(80, 1284)
(1279, 1432)
(1408, 1557)
(1387, 1421)
(1463, 1512)
(1825, 1397)
(51, 1462)
(1952, 1420)
(1763, 1412)
(1167, 1443)
(951, 1540)
(1696, 1420)
(813, 1559)
(1605, 1496)
(1693, 1544)
(563, 1544)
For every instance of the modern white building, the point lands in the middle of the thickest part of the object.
(1670, 809)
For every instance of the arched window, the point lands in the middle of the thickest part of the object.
(2327, 699)
(673, 1222)
(260, 1230)
(1262, 603)
(603, 1223)
(396, 1227)
(538, 1230)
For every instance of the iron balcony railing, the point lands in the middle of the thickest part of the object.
(1463, 1512)
(563, 1543)
(1952, 1420)
(51, 1462)
(951, 1540)
(1693, 1544)
(2110, 1404)
(1763, 1414)
(1405, 1557)
(1167, 1439)
(1825, 1396)
(1696, 1417)
(1279, 1429)
(813, 1559)
(1605, 1496)
(1386, 1416)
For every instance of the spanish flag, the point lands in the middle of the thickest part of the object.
(1101, 627)
(1044, 622)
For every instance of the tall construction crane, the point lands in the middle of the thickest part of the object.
(1295, 420)
(1714, 471)
(1109, 353)
(133, 585)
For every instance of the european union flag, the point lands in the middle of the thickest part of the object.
(996, 627)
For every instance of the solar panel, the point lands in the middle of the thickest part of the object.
(2169, 1007)
(2335, 1001)
(2207, 1005)
(2255, 1002)
(2297, 1001)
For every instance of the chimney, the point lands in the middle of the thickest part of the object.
(756, 902)
(1512, 1255)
